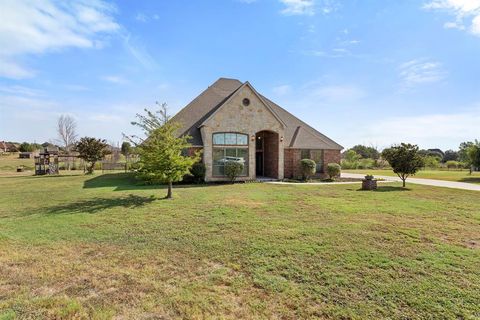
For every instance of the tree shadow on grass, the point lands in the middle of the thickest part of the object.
(470, 180)
(127, 181)
(387, 189)
(99, 204)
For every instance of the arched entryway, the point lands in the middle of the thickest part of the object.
(266, 154)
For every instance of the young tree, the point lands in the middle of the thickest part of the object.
(67, 135)
(404, 160)
(473, 153)
(91, 150)
(161, 152)
(126, 149)
(463, 151)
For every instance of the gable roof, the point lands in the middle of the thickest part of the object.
(297, 134)
(259, 96)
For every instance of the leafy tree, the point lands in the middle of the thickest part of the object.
(308, 168)
(431, 162)
(233, 169)
(450, 155)
(26, 147)
(463, 151)
(126, 149)
(333, 170)
(161, 152)
(404, 160)
(351, 156)
(366, 152)
(91, 150)
(473, 153)
(350, 159)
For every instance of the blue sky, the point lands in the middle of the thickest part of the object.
(371, 72)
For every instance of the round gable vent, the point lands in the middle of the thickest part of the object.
(246, 102)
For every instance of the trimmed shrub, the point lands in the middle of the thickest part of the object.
(233, 169)
(333, 170)
(198, 172)
(308, 168)
(452, 164)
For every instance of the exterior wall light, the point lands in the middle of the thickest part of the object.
(281, 139)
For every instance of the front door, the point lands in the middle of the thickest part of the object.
(259, 164)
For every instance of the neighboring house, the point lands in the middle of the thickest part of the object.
(8, 147)
(231, 121)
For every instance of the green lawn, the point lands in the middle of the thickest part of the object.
(10, 162)
(99, 247)
(452, 175)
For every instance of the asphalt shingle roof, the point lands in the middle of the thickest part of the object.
(298, 134)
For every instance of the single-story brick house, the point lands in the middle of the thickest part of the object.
(230, 120)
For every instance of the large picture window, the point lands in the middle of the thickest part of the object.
(229, 147)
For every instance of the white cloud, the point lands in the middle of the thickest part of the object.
(107, 118)
(298, 7)
(114, 79)
(337, 93)
(141, 17)
(465, 11)
(282, 90)
(12, 70)
(35, 27)
(139, 52)
(420, 71)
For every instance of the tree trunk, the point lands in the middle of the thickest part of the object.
(169, 190)
(404, 182)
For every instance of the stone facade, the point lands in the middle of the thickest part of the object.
(234, 116)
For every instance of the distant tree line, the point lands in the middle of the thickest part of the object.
(369, 157)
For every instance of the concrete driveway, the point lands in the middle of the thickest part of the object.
(426, 182)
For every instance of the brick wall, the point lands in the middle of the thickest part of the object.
(293, 157)
(292, 163)
(330, 156)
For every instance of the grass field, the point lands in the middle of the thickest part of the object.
(452, 175)
(98, 247)
(10, 162)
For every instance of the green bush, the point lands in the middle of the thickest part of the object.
(308, 168)
(346, 164)
(233, 169)
(452, 164)
(198, 172)
(431, 162)
(366, 163)
(333, 170)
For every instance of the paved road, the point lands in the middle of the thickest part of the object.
(427, 182)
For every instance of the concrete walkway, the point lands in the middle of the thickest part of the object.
(426, 182)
